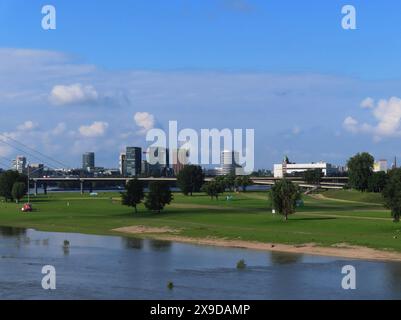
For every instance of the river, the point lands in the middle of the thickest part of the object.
(111, 267)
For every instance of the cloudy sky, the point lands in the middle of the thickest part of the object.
(112, 70)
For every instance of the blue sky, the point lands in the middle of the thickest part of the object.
(285, 68)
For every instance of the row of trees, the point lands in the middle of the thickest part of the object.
(156, 199)
(13, 186)
(190, 180)
(362, 178)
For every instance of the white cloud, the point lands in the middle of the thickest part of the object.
(59, 129)
(368, 103)
(387, 114)
(145, 121)
(73, 94)
(96, 129)
(27, 126)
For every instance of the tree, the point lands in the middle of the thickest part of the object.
(230, 181)
(360, 168)
(313, 176)
(392, 194)
(133, 194)
(243, 182)
(284, 196)
(377, 181)
(7, 180)
(158, 196)
(213, 189)
(18, 191)
(227, 181)
(190, 179)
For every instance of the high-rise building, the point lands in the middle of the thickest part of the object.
(159, 162)
(145, 168)
(133, 161)
(180, 160)
(19, 164)
(88, 161)
(229, 162)
(123, 164)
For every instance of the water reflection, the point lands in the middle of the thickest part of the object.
(12, 232)
(281, 258)
(132, 243)
(160, 245)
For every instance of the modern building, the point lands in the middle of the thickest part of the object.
(19, 164)
(122, 164)
(36, 170)
(180, 160)
(158, 160)
(88, 161)
(288, 168)
(229, 163)
(380, 166)
(145, 168)
(133, 161)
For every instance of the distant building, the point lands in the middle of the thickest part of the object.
(288, 168)
(229, 163)
(145, 168)
(19, 164)
(380, 166)
(133, 161)
(36, 170)
(158, 160)
(122, 164)
(180, 160)
(88, 161)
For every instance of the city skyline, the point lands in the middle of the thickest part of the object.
(326, 101)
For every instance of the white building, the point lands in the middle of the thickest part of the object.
(19, 164)
(290, 168)
(122, 164)
(229, 163)
(380, 166)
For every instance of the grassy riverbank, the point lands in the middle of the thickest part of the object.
(326, 220)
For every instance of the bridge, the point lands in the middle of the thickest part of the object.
(326, 182)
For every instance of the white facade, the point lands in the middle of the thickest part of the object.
(19, 164)
(122, 163)
(229, 162)
(281, 169)
(380, 166)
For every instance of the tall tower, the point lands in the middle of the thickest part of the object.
(133, 161)
(88, 161)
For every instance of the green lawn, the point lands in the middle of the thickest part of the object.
(338, 217)
(353, 195)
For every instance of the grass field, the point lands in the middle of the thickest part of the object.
(331, 218)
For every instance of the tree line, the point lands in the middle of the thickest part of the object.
(13, 185)
(190, 180)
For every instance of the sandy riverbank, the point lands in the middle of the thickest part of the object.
(340, 250)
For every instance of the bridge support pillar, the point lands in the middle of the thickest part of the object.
(82, 187)
(45, 188)
(35, 186)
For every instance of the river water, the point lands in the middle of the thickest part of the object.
(105, 267)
